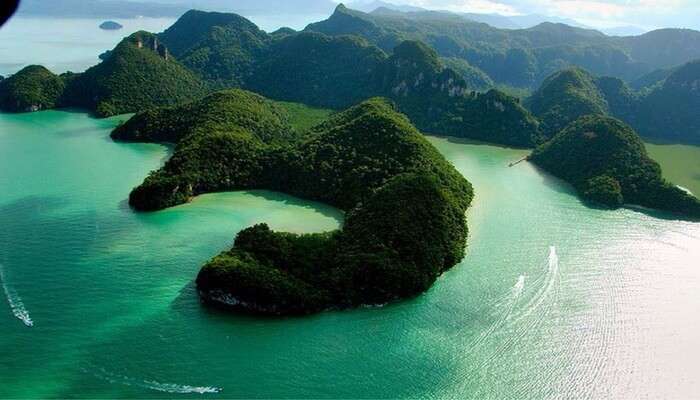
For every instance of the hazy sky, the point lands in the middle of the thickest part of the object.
(598, 13)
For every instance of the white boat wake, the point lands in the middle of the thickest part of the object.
(15, 302)
(152, 385)
(550, 280)
(519, 320)
(512, 301)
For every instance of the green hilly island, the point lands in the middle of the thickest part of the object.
(607, 163)
(31, 89)
(405, 203)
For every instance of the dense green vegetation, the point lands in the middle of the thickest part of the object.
(33, 88)
(340, 71)
(226, 50)
(671, 112)
(405, 203)
(564, 97)
(302, 117)
(475, 78)
(439, 101)
(519, 57)
(220, 47)
(318, 70)
(336, 72)
(666, 111)
(606, 161)
(138, 74)
(651, 80)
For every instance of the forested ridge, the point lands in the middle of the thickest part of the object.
(666, 111)
(519, 57)
(607, 163)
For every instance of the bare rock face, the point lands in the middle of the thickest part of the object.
(150, 41)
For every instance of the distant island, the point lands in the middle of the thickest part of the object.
(405, 204)
(111, 26)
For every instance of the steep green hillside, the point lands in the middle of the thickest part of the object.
(607, 163)
(339, 71)
(564, 97)
(310, 68)
(368, 161)
(666, 111)
(622, 101)
(671, 112)
(475, 78)
(663, 48)
(31, 89)
(220, 47)
(138, 74)
(317, 70)
(651, 80)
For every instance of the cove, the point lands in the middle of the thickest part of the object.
(554, 299)
(680, 163)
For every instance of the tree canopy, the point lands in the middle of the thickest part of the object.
(405, 204)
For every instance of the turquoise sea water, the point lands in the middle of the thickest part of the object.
(553, 300)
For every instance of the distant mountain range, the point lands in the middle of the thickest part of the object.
(175, 8)
(493, 19)
(520, 58)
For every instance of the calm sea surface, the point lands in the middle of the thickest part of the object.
(553, 300)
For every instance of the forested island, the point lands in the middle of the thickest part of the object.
(405, 204)
(210, 83)
(605, 160)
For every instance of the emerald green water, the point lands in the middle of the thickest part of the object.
(553, 300)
